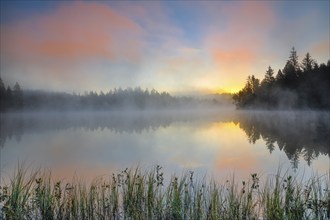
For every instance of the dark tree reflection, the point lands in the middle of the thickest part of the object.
(299, 134)
(14, 125)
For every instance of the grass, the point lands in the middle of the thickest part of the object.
(137, 194)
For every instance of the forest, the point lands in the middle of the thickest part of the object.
(17, 99)
(304, 85)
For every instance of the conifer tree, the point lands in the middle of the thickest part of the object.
(307, 63)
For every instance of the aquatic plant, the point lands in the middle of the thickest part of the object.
(137, 194)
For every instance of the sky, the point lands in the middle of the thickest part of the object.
(183, 47)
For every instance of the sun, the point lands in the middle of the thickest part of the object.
(230, 89)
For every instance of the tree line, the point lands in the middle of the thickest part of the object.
(297, 85)
(130, 98)
(10, 98)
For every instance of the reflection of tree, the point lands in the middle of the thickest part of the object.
(298, 134)
(12, 128)
(309, 154)
(14, 125)
(270, 144)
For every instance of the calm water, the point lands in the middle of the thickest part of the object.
(216, 143)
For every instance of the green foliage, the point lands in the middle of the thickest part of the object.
(133, 194)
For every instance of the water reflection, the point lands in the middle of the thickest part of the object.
(15, 125)
(298, 134)
(210, 141)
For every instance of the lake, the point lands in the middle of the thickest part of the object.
(216, 143)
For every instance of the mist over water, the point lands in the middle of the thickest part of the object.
(215, 142)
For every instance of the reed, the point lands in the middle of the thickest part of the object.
(136, 194)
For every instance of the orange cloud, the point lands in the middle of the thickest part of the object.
(236, 47)
(322, 49)
(250, 15)
(76, 31)
(233, 56)
(235, 64)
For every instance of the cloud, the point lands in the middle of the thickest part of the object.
(321, 50)
(78, 31)
(167, 46)
(237, 46)
(234, 56)
(103, 45)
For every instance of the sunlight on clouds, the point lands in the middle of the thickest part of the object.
(68, 35)
(234, 66)
(120, 44)
(230, 89)
(67, 50)
(321, 50)
(236, 48)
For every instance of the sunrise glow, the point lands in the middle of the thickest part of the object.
(181, 47)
